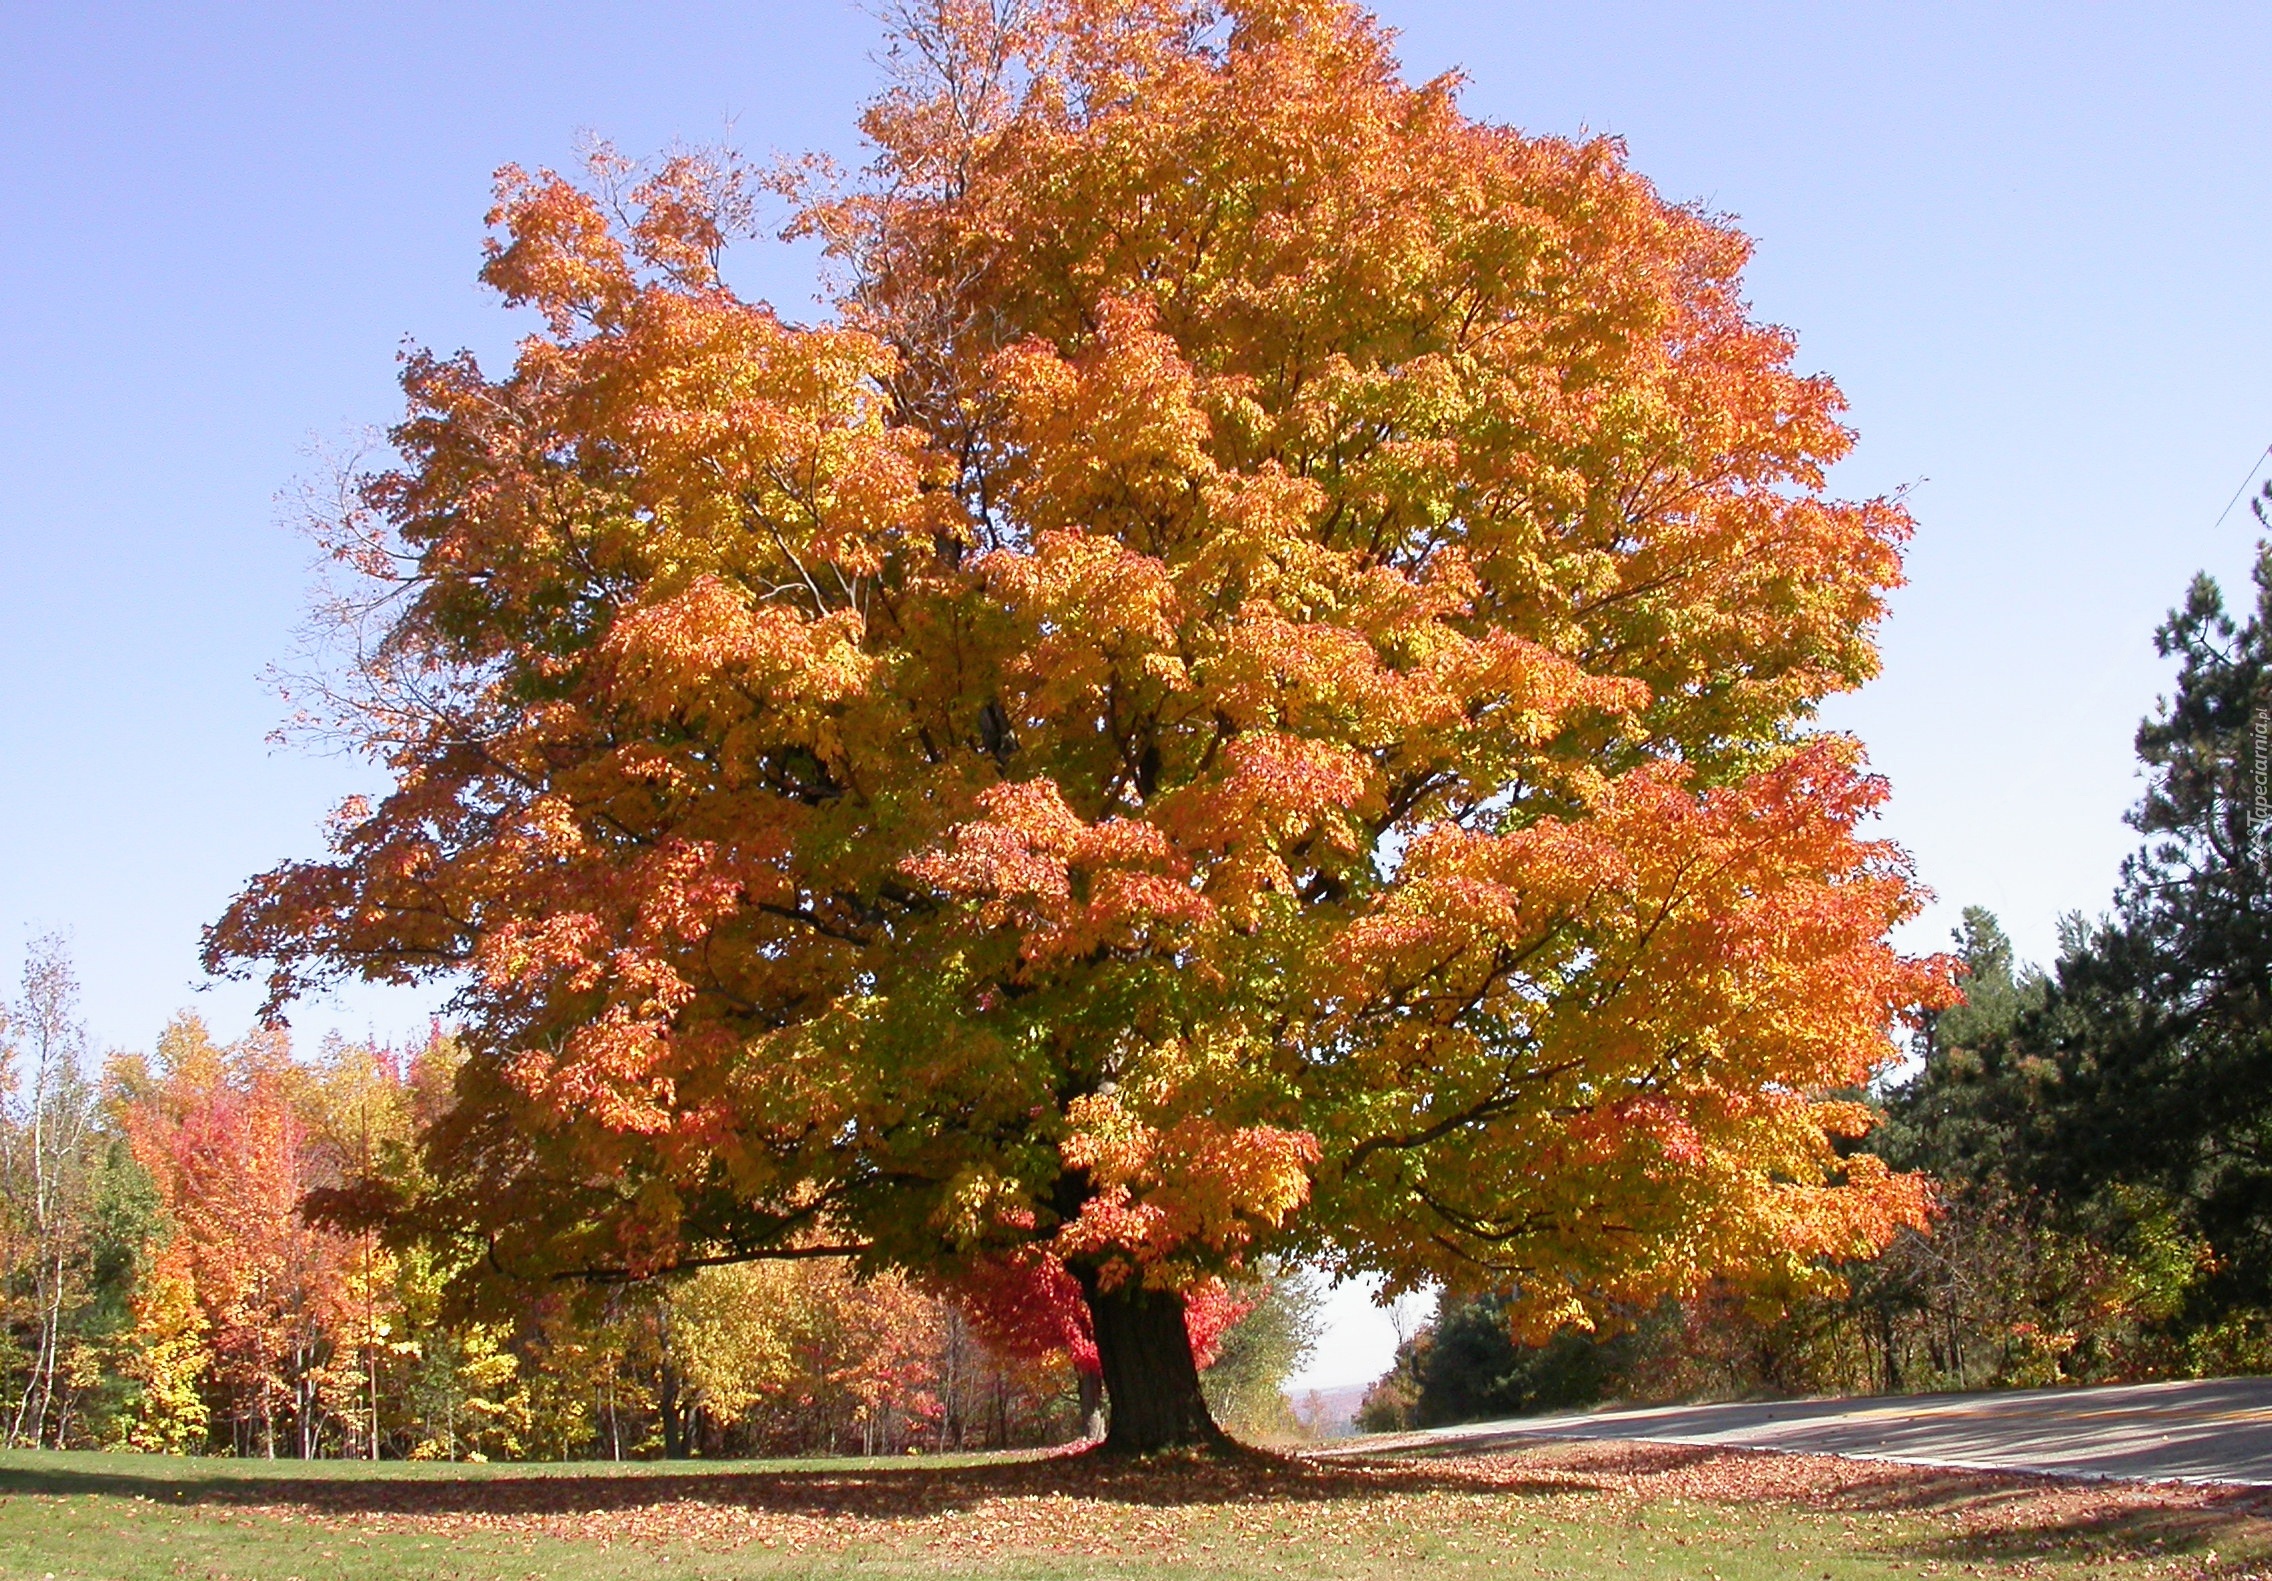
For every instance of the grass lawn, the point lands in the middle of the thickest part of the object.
(1575, 1511)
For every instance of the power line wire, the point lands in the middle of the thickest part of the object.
(2243, 489)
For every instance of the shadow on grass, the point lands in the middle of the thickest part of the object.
(882, 1490)
(1954, 1517)
(1968, 1517)
(2008, 1515)
(1993, 1521)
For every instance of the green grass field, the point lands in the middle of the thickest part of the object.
(1579, 1512)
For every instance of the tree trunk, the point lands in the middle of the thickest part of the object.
(1151, 1383)
(1091, 1395)
(674, 1433)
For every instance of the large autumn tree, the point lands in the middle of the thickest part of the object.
(1247, 692)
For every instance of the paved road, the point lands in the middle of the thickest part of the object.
(2215, 1431)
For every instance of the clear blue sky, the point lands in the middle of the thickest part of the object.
(2029, 241)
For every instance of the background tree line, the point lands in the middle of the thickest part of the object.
(167, 1289)
(2101, 1133)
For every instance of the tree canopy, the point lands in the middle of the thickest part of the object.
(1247, 693)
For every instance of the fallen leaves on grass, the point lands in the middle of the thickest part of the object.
(1266, 1509)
